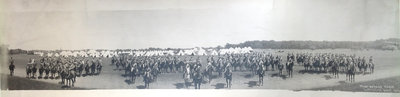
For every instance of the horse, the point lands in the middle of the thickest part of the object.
(273, 63)
(316, 65)
(261, 74)
(147, 78)
(128, 70)
(364, 67)
(28, 70)
(133, 73)
(80, 69)
(11, 67)
(208, 73)
(197, 78)
(87, 69)
(254, 68)
(117, 63)
(266, 64)
(371, 67)
(63, 75)
(70, 78)
(93, 68)
(350, 74)
(219, 69)
(187, 78)
(47, 71)
(323, 66)
(280, 68)
(53, 72)
(335, 70)
(306, 65)
(155, 72)
(289, 68)
(34, 69)
(228, 78)
(41, 70)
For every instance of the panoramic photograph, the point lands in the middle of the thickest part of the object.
(296, 45)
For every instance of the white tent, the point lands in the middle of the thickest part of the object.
(180, 52)
(213, 52)
(201, 52)
(49, 54)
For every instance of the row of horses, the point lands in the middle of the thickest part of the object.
(257, 63)
(61, 67)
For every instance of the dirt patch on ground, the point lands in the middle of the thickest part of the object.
(19, 83)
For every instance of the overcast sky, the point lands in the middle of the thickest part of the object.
(112, 24)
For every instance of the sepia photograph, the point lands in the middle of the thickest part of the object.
(204, 47)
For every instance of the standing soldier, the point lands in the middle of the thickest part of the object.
(11, 67)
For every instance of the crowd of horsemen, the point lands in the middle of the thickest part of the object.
(197, 70)
(66, 68)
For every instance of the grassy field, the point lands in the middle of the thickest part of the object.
(386, 71)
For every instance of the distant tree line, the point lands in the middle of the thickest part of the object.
(384, 44)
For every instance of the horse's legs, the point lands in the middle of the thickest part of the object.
(227, 83)
(230, 83)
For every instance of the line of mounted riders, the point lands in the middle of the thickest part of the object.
(149, 67)
(191, 67)
(258, 63)
(66, 68)
(335, 64)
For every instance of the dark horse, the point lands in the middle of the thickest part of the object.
(80, 69)
(289, 68)
(335, 70)
(197, 79)
(307, 65)
(228, 78)
(70, 78)
(280, 67)
(41, 70)
(147, 77)
(34, 69)
(261, 74)
(133, 73)
(350, 74)
(87, 69)
(28, 70)
(371, 67)
(208, 73)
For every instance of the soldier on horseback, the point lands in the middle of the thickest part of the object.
(228, 77)
(208, 71)
(198, 78)
(147, 78)
(289, 67)
(371, 64)
(11, 67)
(261, 74)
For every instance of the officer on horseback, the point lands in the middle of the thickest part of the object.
(228, 77)
(11, 67)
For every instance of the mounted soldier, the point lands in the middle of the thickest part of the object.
(261, 74)
(197, 78)
(371, 64)
(147, 77)
(11, 67)
(228, 77)
(289, 67)
(208, 72)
